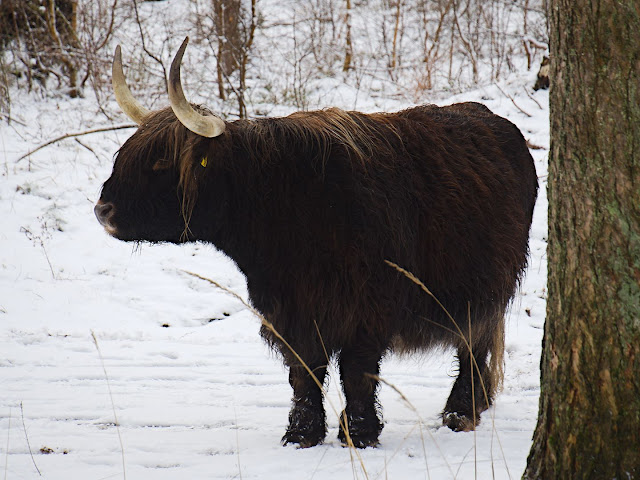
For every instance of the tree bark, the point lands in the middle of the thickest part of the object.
(589, 418)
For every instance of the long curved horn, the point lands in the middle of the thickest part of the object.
(128, 104)
(205, 125)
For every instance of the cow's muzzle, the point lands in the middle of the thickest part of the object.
(104, 214)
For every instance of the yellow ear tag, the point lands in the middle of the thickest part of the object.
(203, 162)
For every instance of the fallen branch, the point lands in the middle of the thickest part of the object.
(10, 119)
(512, 101)
(531, 97)
(76, 134)
(88, 148)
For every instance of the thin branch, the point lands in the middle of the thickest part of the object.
(467, 44)
(76, 134)
(512, 101)
(110, 28)
(90, 149)
(9, 119)
(146, 50)
(531, 97)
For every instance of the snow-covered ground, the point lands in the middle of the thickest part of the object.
(95, 333)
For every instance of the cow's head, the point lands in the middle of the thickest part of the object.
(154, 183)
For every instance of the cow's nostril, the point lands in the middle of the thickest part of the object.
(104, 212)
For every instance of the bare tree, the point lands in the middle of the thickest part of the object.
(56, 39)
(431, 37)
(232, 23)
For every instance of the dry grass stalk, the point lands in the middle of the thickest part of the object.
(342, 420)
(269, 325)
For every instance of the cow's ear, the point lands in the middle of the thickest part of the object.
(161, 164)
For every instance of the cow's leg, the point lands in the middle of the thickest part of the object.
(307, 423)
(471, 393)
(359, 365)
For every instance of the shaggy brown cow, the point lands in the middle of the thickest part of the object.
(311, 206)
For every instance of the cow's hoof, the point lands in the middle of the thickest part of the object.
(363, 430)
(307, 426)
(358, 441)
(302, 440)
(459, 422)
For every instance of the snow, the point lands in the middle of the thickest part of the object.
(92, 329)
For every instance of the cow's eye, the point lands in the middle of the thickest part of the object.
(161, 164)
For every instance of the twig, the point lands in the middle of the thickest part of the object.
(38, 239)
(110, 28)
(10, 119)
(76, 134)
(531, 97)
(46, 255)
(27, 438)
(113, 407)
(90, 149)
(512, 100)
(146, 50)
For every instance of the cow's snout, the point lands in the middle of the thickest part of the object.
(104, 214)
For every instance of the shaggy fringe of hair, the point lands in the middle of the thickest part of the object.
(360, 136)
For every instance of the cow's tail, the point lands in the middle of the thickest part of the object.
(495, 372)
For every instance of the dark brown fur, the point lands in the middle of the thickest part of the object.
(311, 205)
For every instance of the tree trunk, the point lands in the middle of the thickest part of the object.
(348, 52)
(589, 419)
(242, 107)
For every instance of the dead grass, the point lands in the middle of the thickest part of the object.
(113, 406)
